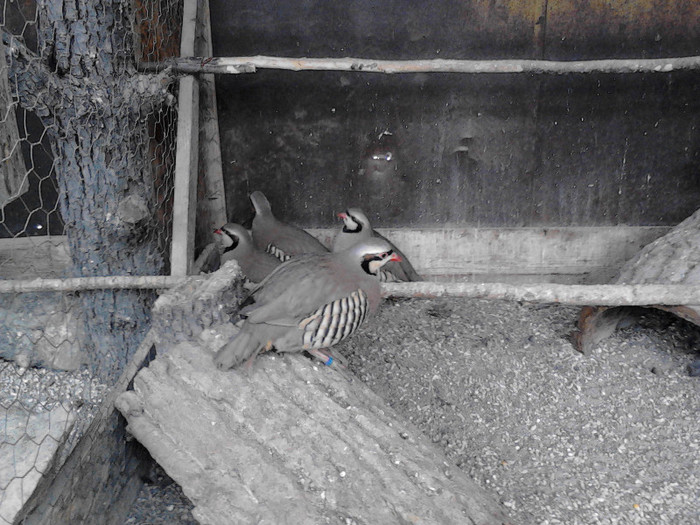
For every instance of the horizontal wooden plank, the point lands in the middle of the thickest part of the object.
(565, 255)
(467, 252)
(31, 257)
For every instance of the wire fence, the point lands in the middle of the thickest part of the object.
(87, 158)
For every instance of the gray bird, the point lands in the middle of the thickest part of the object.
(237, 244)
(284, 241)
(356, 228)
(309, 303)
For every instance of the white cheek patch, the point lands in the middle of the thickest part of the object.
(225, 240)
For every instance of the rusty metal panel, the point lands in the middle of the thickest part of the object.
(477, 150)
(589, 29)
(398, 29)
(618, 149)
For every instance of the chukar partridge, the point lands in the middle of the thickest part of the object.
(284, 241)
(356, 228)
(309, 303)
(237, 244)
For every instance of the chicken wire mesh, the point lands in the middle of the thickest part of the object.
(87, 156)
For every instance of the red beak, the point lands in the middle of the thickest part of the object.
(342, 215)
(395, 257)
(218, 231)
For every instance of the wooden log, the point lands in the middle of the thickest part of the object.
(290, 441)
(673, 259)
(238, 65)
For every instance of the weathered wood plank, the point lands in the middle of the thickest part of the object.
(32, 257)
(187, 156)
(211, 197)
(186, 161)
(189, 28)
(448, 253)
(481, 254)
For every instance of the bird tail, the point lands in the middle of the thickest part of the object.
(245, 346)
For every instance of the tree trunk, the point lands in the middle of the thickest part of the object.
(85, 88)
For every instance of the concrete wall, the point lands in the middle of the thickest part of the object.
(494, 151)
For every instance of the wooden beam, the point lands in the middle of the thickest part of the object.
(186, 161)
(237, 65)
(211, 202)
(74, 284)
(187, 156)
(189, 28)
(49, 257)
(576, 294)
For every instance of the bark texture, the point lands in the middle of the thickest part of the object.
(289, 442)
(85, 88)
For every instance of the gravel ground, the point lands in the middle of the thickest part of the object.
(161, 502)
(40, 390)
(561, 438)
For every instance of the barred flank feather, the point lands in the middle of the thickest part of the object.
(274, 250)
(334, 321)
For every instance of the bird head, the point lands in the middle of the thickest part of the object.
(372, 254)
(354, 220)
(230, 235)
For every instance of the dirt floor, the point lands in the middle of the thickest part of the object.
(559, 437)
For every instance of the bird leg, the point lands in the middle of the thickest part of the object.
(324, 355)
